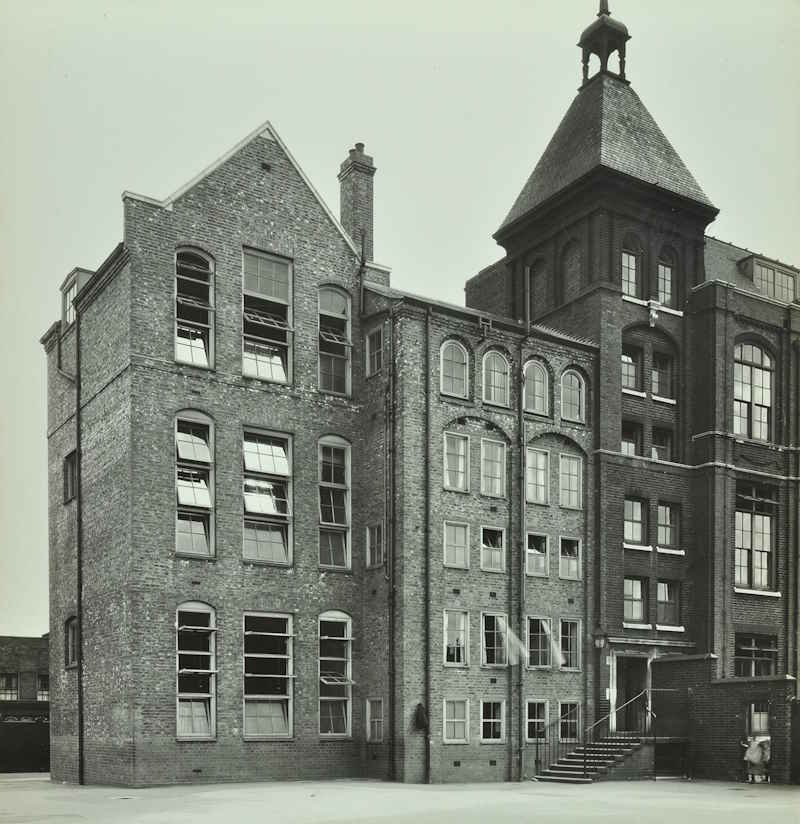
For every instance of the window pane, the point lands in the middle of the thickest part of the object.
(537, 555)
(455, 462)
(454, 370)
(570, 481)
(493, 469)
(265, 361)
(495, 379)
(264, 453)
(266, 277)
(455, 545)
(266, 542)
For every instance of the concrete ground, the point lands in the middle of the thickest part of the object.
(32, 799)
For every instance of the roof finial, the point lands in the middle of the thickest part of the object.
(603, 8)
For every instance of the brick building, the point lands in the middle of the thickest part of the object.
(304, 524)
(24, 704)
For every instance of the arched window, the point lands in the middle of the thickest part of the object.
(266, 317)
(495, 379)
(631, 264)
(334, 340)
(194, 483)
(667, 285)
(454, 369)
(573, 399)
(752, 391)
(196, 650)
(334, 502)
(335, 674)
(194, 308)
(537, 389)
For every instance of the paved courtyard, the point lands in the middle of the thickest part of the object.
(34, 800)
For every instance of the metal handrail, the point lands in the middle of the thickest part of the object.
(616, 710)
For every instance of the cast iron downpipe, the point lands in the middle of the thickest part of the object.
(391, 440)
(79, 541)
(427, 592)
(523, 543)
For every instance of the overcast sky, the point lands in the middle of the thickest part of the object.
(455, 101)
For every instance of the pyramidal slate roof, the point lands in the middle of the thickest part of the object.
(606, 125)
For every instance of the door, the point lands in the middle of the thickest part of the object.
(631, 681)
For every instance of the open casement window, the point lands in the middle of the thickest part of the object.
(537, 476)
(536, 561)
(268, 675)
(493, 721)
(196, 670)
(569, 559)
(537, 388)
(754, 535)
(493, 468)
(573, 398)
(494, 639)
(753, 371)
(194, 308)
(755, 655)
(456, 721)
(537, 721)
(668, 606)
(493, 549)
(267, 491)
(635, 600)
(334, 503)
(194, 484)
(570, 644)
(9, 686)
(335, 674)
(456, 638)
(334, 341)
(540, 642)
(496, 379)
(71, 642)
(374, 720)
(454, 378)
(266, 318)
(568, 720)
(456, 544)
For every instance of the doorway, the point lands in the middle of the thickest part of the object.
(631, 681)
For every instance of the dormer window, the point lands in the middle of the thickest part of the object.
(774, 282)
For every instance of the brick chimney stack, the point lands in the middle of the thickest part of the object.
(355, 180)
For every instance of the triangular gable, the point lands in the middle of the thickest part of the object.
(267, 131)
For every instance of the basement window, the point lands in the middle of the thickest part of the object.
(266, 317)
(194, 309)
(267, 492)
(196, 647)
(268, 675)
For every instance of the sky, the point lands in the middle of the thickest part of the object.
(454, 100)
